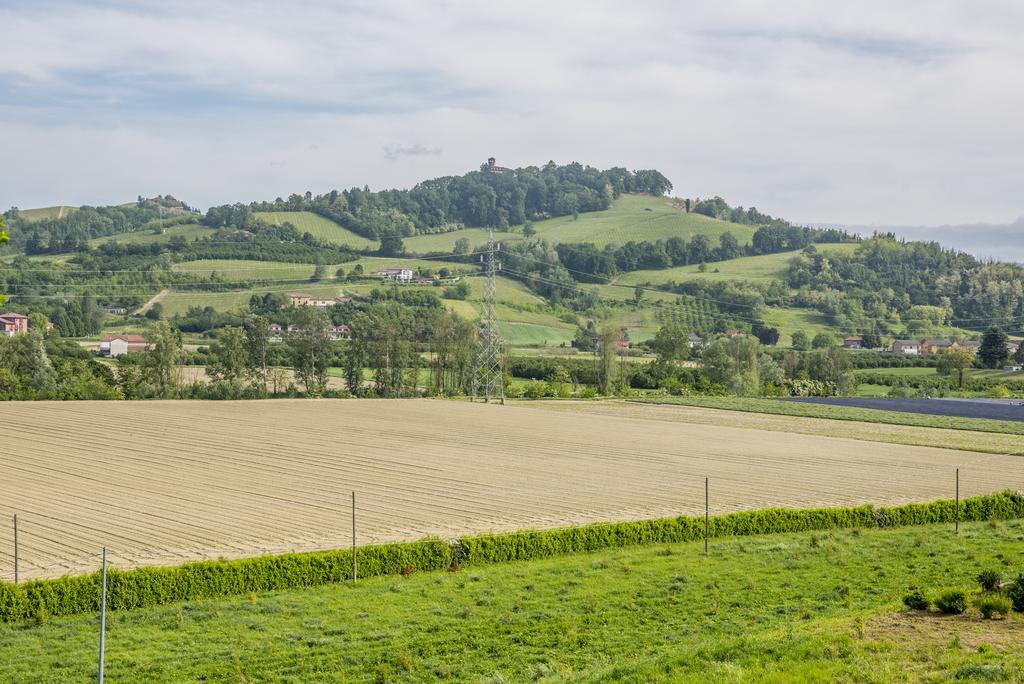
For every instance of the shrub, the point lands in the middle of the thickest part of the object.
(989, 580)
(916, 600)
(1015, 592)
(953, 602)
(992, 605)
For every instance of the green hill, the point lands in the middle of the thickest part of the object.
(46, 213)
(640, 218)
(319, 227)
(188, 231)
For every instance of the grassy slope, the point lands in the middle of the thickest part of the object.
(189, 232)
(46, 212)
(795, 607)
(321, 228)
(763, 268)
(631, 217)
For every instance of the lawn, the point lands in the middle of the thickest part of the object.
(445, 242)
(188, 231)
(175, 302)
(242, 269)
(762, 268)
(46, 213)
(638, 218)
(320, 227)
(819, 606)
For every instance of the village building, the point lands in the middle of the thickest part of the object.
(853, 342)
(906, 347)
(936, 346)
(401, 275)
(694, 340)
(13, 324)
(114, 345)
(492, 166)
(319, 301)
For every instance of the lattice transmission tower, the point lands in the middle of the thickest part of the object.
(489, 382)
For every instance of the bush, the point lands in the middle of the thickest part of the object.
(916, 600)
(953, 602)
(993, 605)
(1015, 592)
(989, 580)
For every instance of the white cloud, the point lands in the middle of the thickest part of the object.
(872, 112)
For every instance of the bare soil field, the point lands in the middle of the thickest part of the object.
(168, 482)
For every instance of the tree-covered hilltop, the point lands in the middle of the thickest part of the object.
(491, 197)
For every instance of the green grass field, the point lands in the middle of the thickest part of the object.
(786, 608)
(188, 231)
(320, 227)
(639, 218)
(762, 268)
(178, 302)
(46, 212)
(924, 372)
(631, 217)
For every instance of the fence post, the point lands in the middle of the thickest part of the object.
(707, 515)
(355, 566)
(103, 614)
(957, 501)
(15, 548)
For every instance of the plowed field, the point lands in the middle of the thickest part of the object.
(168, 482)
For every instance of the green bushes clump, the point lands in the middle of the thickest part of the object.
(989, 580)
(993, 605)
(1015, 592)
(952, 602)
(916, 600)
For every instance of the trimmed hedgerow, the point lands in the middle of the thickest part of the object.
(153, 586)
(531, 544)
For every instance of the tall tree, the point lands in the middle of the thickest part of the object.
(163, 356)
(228, 356)
(994, 350)
(608, 370)
(257, 342)
(957, 361)
(310, 348)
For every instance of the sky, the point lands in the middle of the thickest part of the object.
(872, 113)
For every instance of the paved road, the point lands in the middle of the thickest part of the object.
(997, 409)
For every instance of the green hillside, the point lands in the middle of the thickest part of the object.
(638, 218)
(631, 217)
(762, 268)
(46, 213)
(319, 227)
(188, 231)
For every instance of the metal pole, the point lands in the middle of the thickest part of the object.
(15, 548)
(355, 565)
(103, 614)
(958, 501)
(707, 515)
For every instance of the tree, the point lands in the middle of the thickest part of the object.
(822, 340)
(461, 246)
(319, 271)
(800, 340)
(831, 365)
(994, 350)
(638, 295)
(310, 348)
(155, 312)
(257, 341)
(161, 359)
(1018, 356)
(460, 290)
(528, 230)
(228, 356)
(607, 369)
(391, 245)
(4, 237)
(671, 344)
(956, 360)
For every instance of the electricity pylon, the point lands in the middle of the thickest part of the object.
(489, 382)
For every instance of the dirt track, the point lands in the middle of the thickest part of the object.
(167, 482)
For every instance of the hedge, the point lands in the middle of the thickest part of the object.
(529, 545)
(152, 586)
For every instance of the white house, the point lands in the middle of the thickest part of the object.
(402, 275)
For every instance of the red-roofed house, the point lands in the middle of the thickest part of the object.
(119, 344)
(13, 324)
